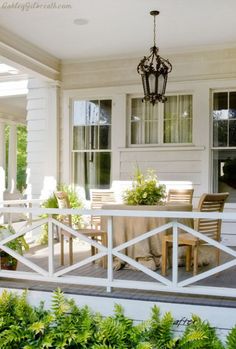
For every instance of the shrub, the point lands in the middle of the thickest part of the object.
(68, 326)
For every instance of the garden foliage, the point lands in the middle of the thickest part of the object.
(66, 325)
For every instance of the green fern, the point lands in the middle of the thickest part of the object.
(231, 339)
(67, 326)
(160, 332)
(200, 335)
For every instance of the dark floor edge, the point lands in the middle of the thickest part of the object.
(164, 298)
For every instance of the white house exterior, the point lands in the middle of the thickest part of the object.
(54, 85)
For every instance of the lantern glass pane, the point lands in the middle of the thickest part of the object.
(161, 81)
(152, 83)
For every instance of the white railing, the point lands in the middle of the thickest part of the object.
(159, 283)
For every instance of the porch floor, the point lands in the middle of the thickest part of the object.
(38, 255)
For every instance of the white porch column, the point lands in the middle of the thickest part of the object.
(2, 159)
(42, 142)
(12, 158)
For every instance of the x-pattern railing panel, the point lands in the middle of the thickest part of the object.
(161, 283)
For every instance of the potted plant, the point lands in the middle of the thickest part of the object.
(145, 190)
(19, 245)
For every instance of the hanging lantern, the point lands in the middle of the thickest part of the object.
(154, 72)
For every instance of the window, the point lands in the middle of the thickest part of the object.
(224, 143)
(91, 123)
(166, 123)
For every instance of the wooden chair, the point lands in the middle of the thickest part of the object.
(180, 195)
(95, 234)
(99, 197)
(208, 227)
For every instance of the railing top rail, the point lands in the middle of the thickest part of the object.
(20, 201)
(121, 213)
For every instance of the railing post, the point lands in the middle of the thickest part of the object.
(50, 247)
(175, 254)
(109, 255)
(29, 215)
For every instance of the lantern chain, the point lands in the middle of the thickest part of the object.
(154, 31)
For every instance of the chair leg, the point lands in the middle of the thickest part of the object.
(195, 260)
(188, 258)
(217, 257)
(93, 249)
(164, 257)
(62, 248)
(70, 250)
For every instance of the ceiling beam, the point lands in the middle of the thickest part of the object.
(27, 57)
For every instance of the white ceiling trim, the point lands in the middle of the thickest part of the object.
(27, 56)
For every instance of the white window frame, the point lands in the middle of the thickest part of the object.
(73, 151)
(231, 205)
(161, 143)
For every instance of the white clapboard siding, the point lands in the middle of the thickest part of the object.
(36, 146)
(37, 103)
(35, 114)
(36, 157)
(42, 121)
(164, 166)
(37, 93)
(36, 125)
(169, 164)
(160, 154)
(36, 136)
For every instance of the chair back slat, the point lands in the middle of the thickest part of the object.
(211, 203)
(180, 195)
(99, 197)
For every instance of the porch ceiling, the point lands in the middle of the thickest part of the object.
(122, 28)
(13, 108)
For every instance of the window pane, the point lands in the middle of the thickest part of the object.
(220, 133)
(232, 133)
(232, 105)
(105, 137)
(85, 113)
(151, 135)
(92, 112)
(224, 172)
(105, 112)
(79, 138)
(88, 118)
(92, 170)
(220, 101)
(85, 137)
(79, 113)
(144, 122)
(178, 119)
(136, 132)
(220, 106)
